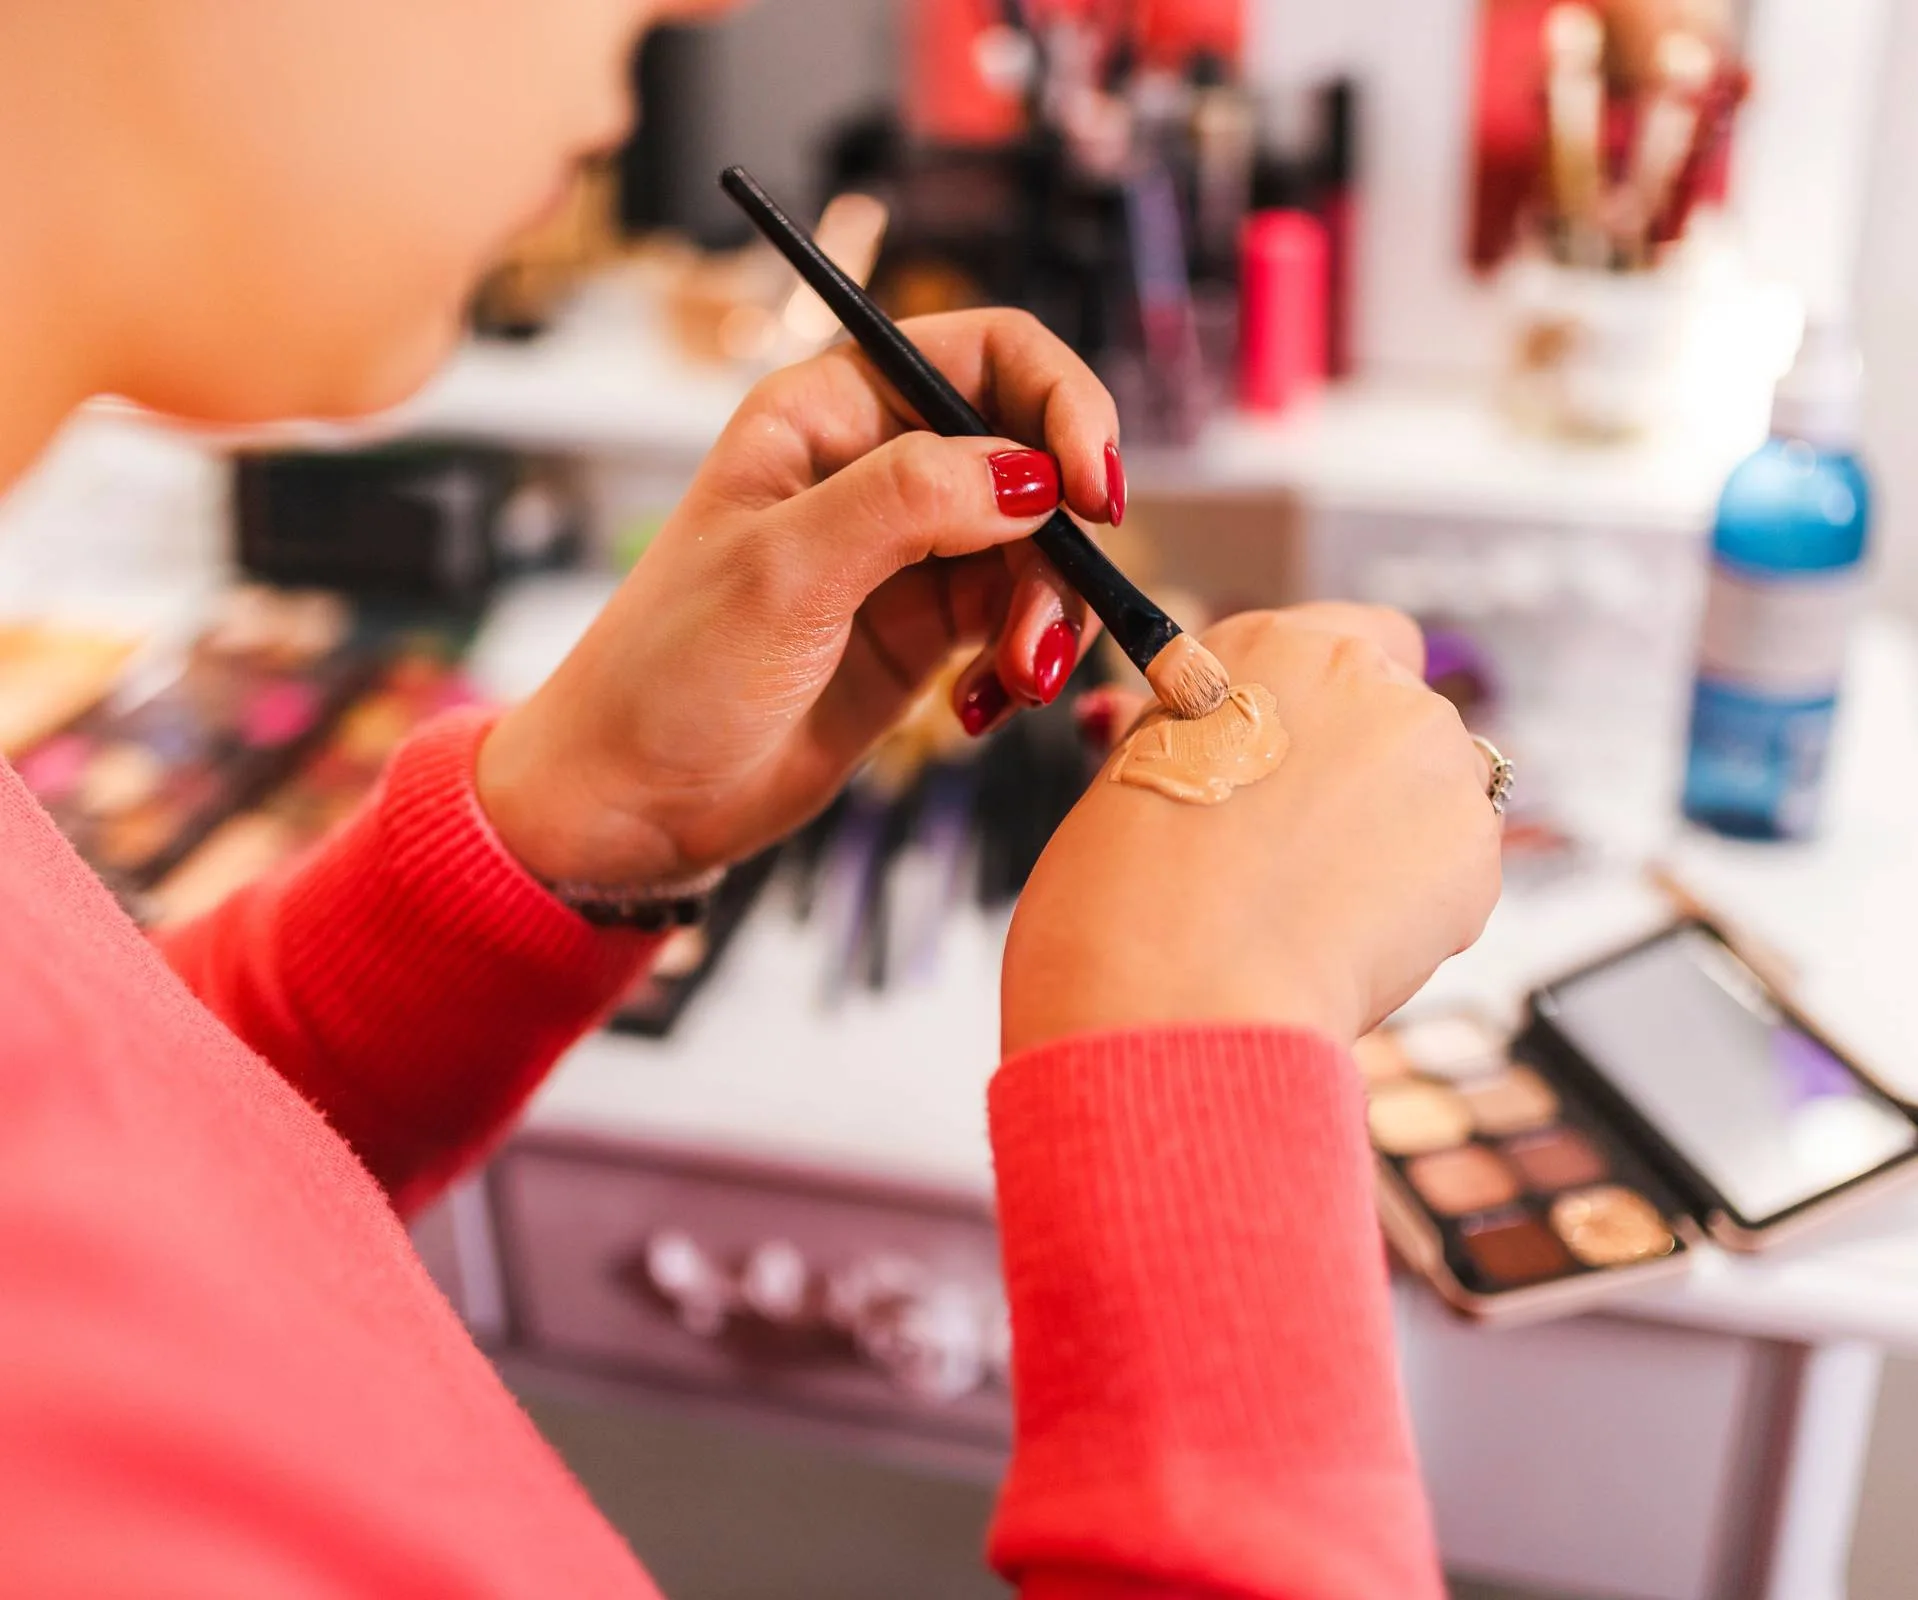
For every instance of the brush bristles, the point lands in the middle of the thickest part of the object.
(1188, 679)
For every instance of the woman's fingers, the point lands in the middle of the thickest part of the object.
(918, 618)
(919, 496)
(916, 497)
(981, 698)
(1392, 631)
(805, 423)
(1047, 629)
(899, 641)
(1044, 632)
(1028, 383)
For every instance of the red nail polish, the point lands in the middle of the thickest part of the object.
(1115, 486)
(982, 705)
(1093, 713)
(1053, 660)
(1024, 482)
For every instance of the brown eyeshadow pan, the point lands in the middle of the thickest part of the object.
(1513, 1249)
(1470, 1178)
(1610, 1225)
(1557, 1158)
(1414, 1118)
(1513, 1101)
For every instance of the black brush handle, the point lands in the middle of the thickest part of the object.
(1136, 624)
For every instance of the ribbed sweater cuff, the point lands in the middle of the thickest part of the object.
(1206, 1383)
(442, 977)
(429, 854)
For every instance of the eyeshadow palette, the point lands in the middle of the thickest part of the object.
(1502, 1187)
(420, 680)
(138, 783)
(1657, 1098)
(50, 676)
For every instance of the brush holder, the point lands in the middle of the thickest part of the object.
(1594, 354)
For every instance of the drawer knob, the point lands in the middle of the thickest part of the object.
(776, 1284)
(931, 1345)
(690, 1281)
(928, 1337)
(933, 1339)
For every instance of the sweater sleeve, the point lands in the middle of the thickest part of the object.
(409, 977)
(1205, 1378)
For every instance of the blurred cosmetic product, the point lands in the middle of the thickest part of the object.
(1667, 129)
(1786, 586)
(1574, 41)
(1594, 355)
(1338, 209)
(1284, 285)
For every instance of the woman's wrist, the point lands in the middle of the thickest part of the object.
(1041, 1008)
(545, 806)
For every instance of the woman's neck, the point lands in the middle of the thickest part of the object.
(47, 346)
(31, 414)
(43, 361)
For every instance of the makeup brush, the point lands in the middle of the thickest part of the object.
(1574, 40)
(1668, 127)
(1186, 677)
(1728, 90)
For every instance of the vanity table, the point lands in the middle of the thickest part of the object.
(1700, 1439)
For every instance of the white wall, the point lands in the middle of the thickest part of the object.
(1888, 312)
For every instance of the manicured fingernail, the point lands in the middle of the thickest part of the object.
(1093, 713)
(1053, 660)
(983, 704)
(1024, 482)
(1115, 486)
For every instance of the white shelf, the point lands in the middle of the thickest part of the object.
(607, 380)
(606, 383)
(1453, 454)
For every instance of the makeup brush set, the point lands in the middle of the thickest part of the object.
(1622, 177)
(878, 878)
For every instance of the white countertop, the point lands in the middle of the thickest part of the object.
(892, 1086)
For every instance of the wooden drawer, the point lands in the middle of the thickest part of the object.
(588, 1230)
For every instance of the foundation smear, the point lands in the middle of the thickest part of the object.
(1202, 761)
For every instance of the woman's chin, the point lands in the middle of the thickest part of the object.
(334, 386)
(384, 378)
(403, 368)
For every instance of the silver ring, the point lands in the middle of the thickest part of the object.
(1504, 775)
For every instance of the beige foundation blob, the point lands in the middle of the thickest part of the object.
(1202, 761)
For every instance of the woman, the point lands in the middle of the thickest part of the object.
(222, 1370)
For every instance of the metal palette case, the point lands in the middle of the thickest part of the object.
(1523, 1179)
(1503, 1187)
(1425, 1249)
(1548, 1042)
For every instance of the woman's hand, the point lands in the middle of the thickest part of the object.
(1321, 897)
(822, 568)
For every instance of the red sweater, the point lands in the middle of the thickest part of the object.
(223, 1371)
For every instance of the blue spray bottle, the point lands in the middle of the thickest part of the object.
(1786, 580)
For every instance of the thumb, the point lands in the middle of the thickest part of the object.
(921, 495)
